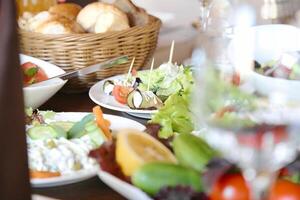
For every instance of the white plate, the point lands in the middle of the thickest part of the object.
(117, 123)
(125, 189)
(99, 97)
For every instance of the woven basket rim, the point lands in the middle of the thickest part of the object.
(152, 21)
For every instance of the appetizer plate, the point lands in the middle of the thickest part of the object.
(117, 123)
(97, 94)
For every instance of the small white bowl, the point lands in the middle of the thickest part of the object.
(269, 44)
(35, 96)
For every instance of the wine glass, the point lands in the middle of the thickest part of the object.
(205, 7)
(242, 125)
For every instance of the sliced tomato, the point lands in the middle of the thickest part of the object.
(32, 73)
(285, 190)
(231, 186)
(121, 93)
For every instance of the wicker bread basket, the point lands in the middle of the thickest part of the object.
(74, 51)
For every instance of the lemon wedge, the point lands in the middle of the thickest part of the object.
(135, 148)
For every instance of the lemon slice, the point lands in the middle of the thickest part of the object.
(135, 148)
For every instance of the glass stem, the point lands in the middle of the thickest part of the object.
(259, 184)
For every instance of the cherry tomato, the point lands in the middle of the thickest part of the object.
(121, 93)
(230, 186)
(32, 73)
(285, 190)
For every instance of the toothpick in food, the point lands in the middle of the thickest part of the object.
(150, 75)
(171, 52)
(130, 69)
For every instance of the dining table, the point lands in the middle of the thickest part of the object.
(93, 188)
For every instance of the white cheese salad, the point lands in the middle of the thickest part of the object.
(58, 148)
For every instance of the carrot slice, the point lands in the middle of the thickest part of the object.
(101, 122)
(107, 122)
(43, 174)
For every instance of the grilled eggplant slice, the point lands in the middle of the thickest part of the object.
(108, 87)
(143, 100)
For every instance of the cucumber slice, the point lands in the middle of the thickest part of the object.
(64, 125)
(42, 132)
(91, 126)
(95, 133)
(60, 132)
(78, 129)
(97, 137)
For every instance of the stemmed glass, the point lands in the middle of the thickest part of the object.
(205, 8)
(236, 121)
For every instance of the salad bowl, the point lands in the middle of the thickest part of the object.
(35, 96)
(270, 43)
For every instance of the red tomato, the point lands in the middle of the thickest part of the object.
(32, 73)
(121, 93)
(285, 190)
(230, 186)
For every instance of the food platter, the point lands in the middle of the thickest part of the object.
(117, 123)
(99, 97)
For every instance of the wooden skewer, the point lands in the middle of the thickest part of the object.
(130, 68)
(171, 52)
(150, 75)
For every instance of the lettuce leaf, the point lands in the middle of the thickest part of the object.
(175, 116)
(166, 80)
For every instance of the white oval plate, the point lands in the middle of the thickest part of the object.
(117, 123)
(99, 97)
(125, 189)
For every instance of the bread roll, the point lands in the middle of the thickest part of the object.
(34, 22)
(137, 16)
(47, 23)
(101, 17)
(108, 20)
(59, 25)
(68, 10)
(23, 20)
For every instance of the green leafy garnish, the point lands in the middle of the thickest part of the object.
(31, 71)
(175, 116)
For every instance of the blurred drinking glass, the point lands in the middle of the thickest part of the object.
(244, 126)
(205, 7)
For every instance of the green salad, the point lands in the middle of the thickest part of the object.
(226, 104)
(148, 90)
